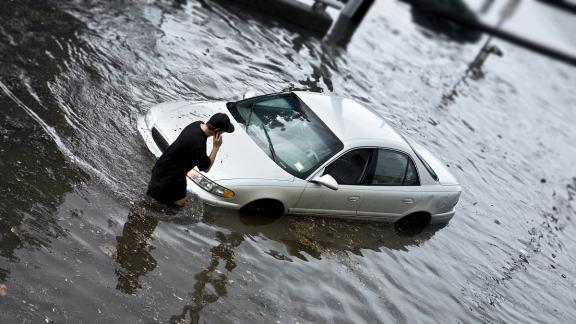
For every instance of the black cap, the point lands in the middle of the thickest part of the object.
(222, 122)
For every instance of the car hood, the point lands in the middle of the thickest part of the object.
(239, 156)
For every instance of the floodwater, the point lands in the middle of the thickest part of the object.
(80, 243)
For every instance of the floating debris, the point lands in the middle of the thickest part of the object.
(109, 250)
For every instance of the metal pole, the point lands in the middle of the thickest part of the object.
(348, 20)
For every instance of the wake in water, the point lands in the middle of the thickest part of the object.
(51, 132)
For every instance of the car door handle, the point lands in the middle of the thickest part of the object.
(353, 198)
(408, 200)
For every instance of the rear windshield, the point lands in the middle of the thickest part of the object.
(426, 165)
(288, 131)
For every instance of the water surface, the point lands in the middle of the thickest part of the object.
(79, 241)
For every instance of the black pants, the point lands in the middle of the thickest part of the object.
(167, 192)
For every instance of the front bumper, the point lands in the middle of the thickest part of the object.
(209, 198)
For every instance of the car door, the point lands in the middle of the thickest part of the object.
(391, 187)
(348, 170)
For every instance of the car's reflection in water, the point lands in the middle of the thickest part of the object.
(316, 236)
(302, 236)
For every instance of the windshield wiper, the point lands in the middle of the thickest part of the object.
(269, 143)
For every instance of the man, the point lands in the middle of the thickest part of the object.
(168, 182)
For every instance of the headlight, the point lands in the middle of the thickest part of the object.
(209, 185)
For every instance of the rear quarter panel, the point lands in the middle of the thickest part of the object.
(443, 199)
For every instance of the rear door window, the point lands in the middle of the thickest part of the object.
(392, 168)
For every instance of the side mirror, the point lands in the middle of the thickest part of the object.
(325, 180)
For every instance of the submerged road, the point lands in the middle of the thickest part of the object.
(79, 243)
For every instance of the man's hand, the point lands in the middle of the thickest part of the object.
(217, 140)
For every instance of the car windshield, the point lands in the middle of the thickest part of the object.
(288, 131)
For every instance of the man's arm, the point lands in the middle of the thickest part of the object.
(217, 142)
(215, 147)
(212, 157)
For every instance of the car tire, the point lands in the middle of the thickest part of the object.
(263, 207)
(412, 224)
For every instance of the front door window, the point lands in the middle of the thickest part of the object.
(349, 169)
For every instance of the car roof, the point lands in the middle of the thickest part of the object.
(351, 121)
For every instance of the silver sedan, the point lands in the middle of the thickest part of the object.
(306, 153)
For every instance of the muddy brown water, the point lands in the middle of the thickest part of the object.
(80, 243)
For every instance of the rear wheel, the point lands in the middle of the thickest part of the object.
(412, 224)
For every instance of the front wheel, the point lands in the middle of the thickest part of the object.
(261, 212)
(265, 207)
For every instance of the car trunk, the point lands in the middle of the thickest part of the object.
(444, 176)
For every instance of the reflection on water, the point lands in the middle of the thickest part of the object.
(302, 237)
(314, 236)
(133, 249)
(211, 282)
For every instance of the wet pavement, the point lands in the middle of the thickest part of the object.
(79, 242)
